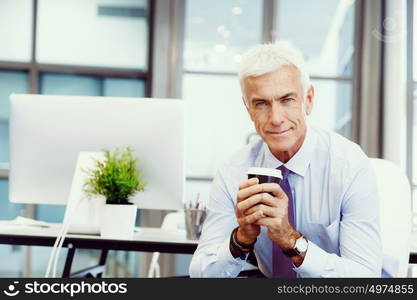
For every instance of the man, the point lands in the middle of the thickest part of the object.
(323, 219)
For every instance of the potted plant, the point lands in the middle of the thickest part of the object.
(117, 179)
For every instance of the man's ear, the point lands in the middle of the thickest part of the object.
(309, 100)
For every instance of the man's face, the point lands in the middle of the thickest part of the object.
(278, 107)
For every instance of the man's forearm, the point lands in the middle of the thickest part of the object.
(215, 261)
(319, 263)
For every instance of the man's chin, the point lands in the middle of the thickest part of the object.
(279, 144)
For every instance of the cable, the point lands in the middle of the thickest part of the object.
(53, 259)
(57, 240)
(154, 269)
(61, 242)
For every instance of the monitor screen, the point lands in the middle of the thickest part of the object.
(47, 133)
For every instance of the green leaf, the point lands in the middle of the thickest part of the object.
(116, 178)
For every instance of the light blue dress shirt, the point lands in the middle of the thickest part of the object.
(336, 207)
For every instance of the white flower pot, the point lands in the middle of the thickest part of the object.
(118, 221)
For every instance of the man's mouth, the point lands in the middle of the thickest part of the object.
(279, 133)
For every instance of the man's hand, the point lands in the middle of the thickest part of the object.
(265, 205)
(248, 229)
(272, 207)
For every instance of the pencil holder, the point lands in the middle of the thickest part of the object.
(194, 219)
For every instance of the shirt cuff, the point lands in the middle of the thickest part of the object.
(232, 266)
(314, 263)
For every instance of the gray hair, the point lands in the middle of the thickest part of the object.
(265, 58)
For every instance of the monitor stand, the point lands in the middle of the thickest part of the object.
(83, 212)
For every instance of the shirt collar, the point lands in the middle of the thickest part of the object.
(301, 159)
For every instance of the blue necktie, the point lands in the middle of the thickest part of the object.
(282, 264)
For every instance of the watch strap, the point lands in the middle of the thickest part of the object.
(241, 249)
(291, 252)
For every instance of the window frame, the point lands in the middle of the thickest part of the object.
(411, 85)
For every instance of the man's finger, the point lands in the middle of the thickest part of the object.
(248, 183)
(274, 189)
(264, 198)
(249, 191)
(264, 221)
(268, 211)
(249, 202)
(253, 218)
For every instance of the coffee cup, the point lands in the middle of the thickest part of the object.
(265, 175)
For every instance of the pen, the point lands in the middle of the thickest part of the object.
(197, 203)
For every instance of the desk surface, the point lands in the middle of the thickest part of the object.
(146, 239)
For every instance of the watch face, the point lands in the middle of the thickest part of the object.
(301, 244)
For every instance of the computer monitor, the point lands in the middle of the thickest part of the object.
(47, 133)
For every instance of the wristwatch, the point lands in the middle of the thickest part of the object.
(301, 245)
(241, 249)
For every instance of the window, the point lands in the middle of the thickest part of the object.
(330, 52)
(333, 105)
(329, 55)
(69, 84)
(217, 34)
(101, 52)
(103, 33)
(215, 100)
(10, 82)
(218, 123)
(15, 30)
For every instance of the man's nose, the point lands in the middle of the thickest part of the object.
(277, 115)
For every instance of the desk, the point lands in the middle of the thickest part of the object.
(146, 240)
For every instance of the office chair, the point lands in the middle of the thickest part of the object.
(395, 217)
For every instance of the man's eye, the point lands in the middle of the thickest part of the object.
(287, 100)
(259, 103)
